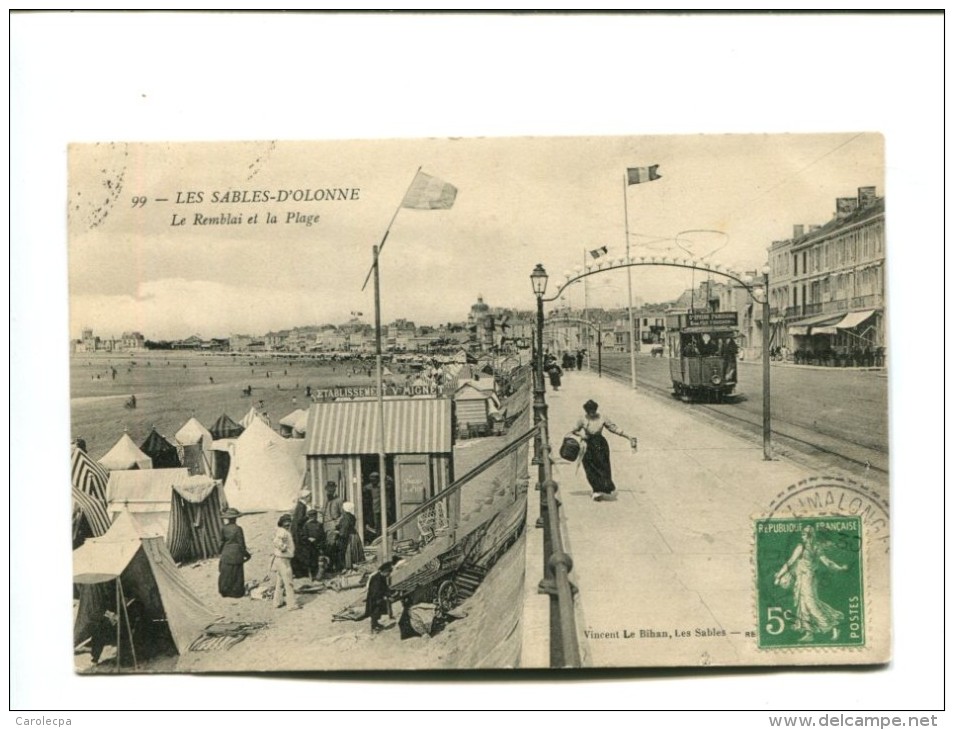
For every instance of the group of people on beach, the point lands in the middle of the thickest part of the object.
(303, 546)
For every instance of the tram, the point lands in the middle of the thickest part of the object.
(703, 354)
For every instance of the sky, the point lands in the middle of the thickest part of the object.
(138, 263)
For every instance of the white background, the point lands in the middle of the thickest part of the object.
(124, 77)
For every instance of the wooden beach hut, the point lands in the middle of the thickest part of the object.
(342, 444)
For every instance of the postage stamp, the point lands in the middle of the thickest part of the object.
(810, 582)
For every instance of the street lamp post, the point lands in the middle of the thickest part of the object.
(539, 281)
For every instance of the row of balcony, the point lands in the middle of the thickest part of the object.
(869, 301)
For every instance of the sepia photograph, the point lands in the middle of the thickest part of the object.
(421, 371)
(318, 389)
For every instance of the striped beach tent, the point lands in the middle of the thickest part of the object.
(185, 509)
(89, 480)
(225, 428)
(88, 476)
(164, 455)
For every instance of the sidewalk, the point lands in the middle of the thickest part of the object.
(673, 552)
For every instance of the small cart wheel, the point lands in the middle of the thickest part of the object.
(448, 597)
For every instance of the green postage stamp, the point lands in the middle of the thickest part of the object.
(810, 582)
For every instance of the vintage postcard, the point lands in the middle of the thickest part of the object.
(479, 403)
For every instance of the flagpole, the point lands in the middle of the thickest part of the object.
(382, 458)
(584, 339)
(388, 229)
(629, 292)
(382, 472)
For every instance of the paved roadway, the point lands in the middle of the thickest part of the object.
(673, 552)
(840, 409)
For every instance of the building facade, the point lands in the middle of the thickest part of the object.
(828, 295)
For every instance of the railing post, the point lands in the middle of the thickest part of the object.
(564, 644)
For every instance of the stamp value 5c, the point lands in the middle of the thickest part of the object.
(810, 582)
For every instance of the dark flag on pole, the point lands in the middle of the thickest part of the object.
(637, 175)
(429, 193)
(597, 252)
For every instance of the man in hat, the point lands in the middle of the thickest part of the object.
(232, 557)
(313, 546)
(299, 515)
(330, 516)
(371, 501)
(283, 552)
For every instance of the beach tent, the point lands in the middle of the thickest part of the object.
(164, 455)
(195, 440)
(225, 428)
(129, 564)
(254, 415)
(287, 424)
(266, 470)
(89, 481)
(126, 455)
(184, 509)
(300, 427)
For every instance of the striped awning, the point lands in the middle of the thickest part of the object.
(412, 426)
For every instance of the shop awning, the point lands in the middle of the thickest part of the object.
(817, 325)
(853, 319)
(412, 426)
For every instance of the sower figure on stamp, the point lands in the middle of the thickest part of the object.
(812, 615)
(596, 452)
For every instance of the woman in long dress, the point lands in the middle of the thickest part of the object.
(812, 615)
(350, 548)
(596, 454)
(232, 557)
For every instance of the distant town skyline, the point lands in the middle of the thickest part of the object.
(166, 253)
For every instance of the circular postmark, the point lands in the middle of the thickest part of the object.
(823, 496)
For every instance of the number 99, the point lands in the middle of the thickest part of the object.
(138, 201)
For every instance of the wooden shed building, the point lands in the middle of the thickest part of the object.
(342, 445)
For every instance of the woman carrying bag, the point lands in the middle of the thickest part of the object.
(596, 452)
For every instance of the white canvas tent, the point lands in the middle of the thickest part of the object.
(126, 455)
(287, 424)
(193, 432)
(254, 415)
(266, 470)
(128, 563)
(195, 441)
(300, 427)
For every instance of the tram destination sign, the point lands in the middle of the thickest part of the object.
(712, 319)
(701, 321)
